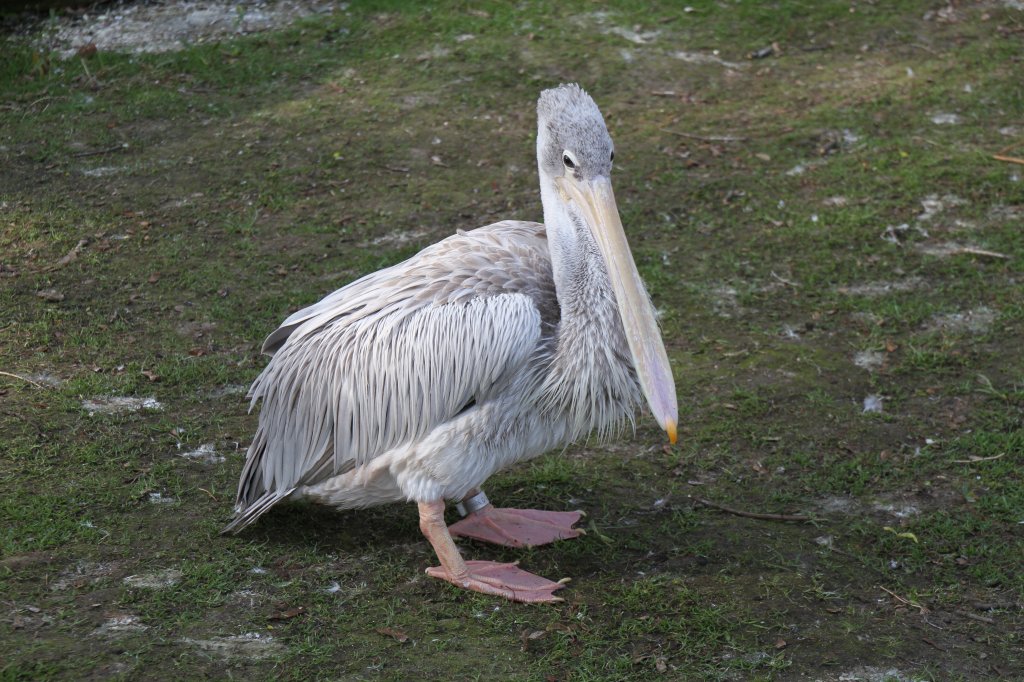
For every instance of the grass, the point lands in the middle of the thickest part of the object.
(220, 187)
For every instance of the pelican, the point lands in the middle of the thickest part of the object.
(490, 347)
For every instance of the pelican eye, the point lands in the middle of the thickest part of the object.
(569, 163)
(612, 157)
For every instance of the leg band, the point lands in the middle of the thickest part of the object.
(472, 504)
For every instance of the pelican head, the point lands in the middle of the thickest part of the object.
(574, 157)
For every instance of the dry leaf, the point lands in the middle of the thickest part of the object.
(287, 614)
(51, 295)
(152, 376)
(398, 635)
(526, 637)
(780, 643)
(154, 278)
(660, 665)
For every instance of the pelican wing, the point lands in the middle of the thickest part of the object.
(386, 359)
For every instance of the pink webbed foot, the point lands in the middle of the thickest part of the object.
(517, 527)
(503, 580)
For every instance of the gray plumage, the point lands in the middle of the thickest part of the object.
(421, 380)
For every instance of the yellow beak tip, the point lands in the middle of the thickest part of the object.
(670, 428)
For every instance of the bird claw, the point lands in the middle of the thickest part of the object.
(503, 580)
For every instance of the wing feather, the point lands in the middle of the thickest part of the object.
(386, 359)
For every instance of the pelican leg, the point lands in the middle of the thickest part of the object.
(512, 527)
(502, 580)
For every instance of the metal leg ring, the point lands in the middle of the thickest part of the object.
(471, 504)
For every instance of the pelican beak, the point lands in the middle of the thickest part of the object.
(596, 202)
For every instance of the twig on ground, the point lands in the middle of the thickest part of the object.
(904, 600)
(28, 107)
(785, 281)
(705, 138)
(925, 48)
(932, 644)
(974, 616)
(975, 458)
(70, 255)
(1002, 156)
(975, 251)
(17, 376)
(993, 605)
(92, 79)
(753, 515)
(98, 152)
